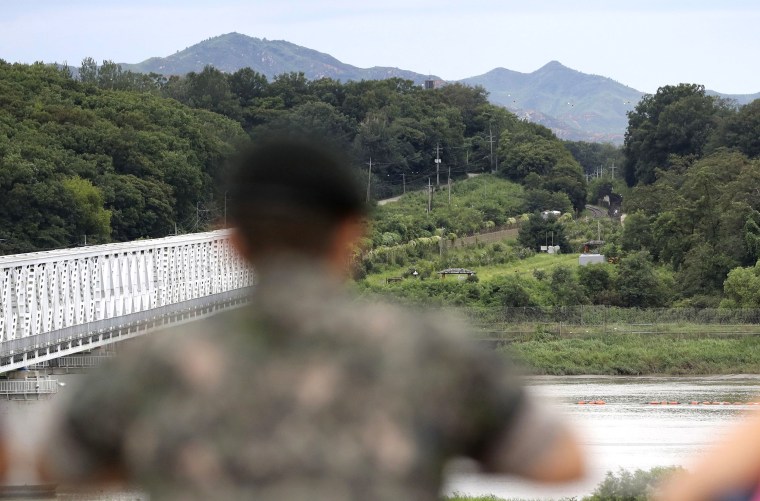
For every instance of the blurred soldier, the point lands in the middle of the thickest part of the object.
(307, 393)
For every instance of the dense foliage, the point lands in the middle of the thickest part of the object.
(695, 207)
(79, 163)
(116, 155)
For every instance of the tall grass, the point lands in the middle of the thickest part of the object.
(637, 354)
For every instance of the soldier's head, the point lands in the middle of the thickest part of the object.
(294, 197)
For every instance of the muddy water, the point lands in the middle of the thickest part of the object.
(629, 432)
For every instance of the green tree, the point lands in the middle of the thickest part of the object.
(637, 234)
(675, 121)
(537, 232)
(742, 288)
(89, 216)
(637, 283)
(596, 281)
(88, 71)
(742, 130)
(704, 270)
(565, 287)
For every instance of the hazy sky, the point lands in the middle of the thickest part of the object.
(643, 44)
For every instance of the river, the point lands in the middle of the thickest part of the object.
(626, 432)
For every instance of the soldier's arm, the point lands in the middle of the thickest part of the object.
(536, 445)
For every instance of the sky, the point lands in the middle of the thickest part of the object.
(644, 44)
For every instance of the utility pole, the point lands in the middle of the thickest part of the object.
(369, 178)
(430, 196)
(449, 182)
(613, 170)
(403, 180)
(438, 165)
(490, 140)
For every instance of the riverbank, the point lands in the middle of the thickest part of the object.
(624, 484)
(637, 354)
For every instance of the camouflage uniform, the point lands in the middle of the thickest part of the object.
(306, 394)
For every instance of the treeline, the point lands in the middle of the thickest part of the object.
(98, 154)
(692, 162)
(401, 127)
(82, 164)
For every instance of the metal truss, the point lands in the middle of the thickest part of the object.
(49, 291)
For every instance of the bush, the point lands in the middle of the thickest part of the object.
(627, 486)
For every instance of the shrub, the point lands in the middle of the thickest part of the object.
(627, 486)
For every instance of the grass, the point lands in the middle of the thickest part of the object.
(521, 267)
(637, 354)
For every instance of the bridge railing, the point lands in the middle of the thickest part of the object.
(69, 291)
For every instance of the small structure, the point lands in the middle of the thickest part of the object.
(592, 245)
(550, 213)
(585, 259)
(460, 273)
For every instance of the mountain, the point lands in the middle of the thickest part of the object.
(233, 51)
(740, 99)
(575, 105)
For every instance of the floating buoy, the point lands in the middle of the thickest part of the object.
(674, 403)
(693, 402)
(654, 403)
(600, 402)
(582, 402)
(707, 403)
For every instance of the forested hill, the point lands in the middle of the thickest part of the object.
(117, 155)
(79, 163)
(234, 51)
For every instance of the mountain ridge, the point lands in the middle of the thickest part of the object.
(575, 105)
(233, 51)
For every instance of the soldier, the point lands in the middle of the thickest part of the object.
(308, 392)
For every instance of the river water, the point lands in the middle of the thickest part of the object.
(627, 432)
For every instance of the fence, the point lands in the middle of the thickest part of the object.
(486, 238)
(582, 320)
(15, 388)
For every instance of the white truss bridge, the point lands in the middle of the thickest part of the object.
(60, 302)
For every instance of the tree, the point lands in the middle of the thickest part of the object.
(88, 71)
(637, 233)
(675, 121)
(596, 281)
(593, 156)
(637, 283)
(565, 287)
(537, 232)
(742, 130)
(742, 288)
(89, 216)
(210, 90)
(703, 271)
(248, 85)
(567, 178)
